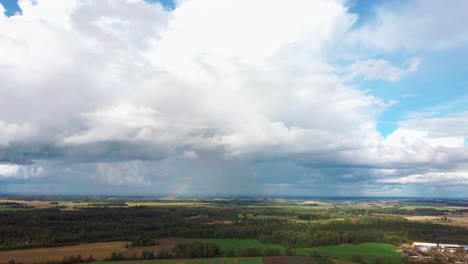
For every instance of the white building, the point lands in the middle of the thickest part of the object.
(425, 246)
(452, 248)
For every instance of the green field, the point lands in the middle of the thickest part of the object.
(236, 244)
(369, 251)
(340, 261)
(14, 209)
(437, 207)
(191, 261)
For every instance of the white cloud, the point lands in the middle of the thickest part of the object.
(239, 80)
(20, 172)
(122, 122)
(381, 69)
(190, 154)
(431, 178)
(124, 173)
(7, 170)
(12, 131)
(246, 94)
(416, 25)
(449, 132)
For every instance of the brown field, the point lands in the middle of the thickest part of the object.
(46, 204)
(220, 222)
(196, 217)
(167, 244)
(456, 220)
(289, 260)
(36, 204)
(98, 250)
(70, 205)
(366, 205)
(184, 204)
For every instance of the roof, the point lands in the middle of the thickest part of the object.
(424, 244)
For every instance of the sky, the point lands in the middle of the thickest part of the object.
(234, 97)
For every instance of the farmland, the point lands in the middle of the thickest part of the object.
(369, 251)
(96, 250)
(237, 244)
(194, 261)
(256, 260)
(222, 230)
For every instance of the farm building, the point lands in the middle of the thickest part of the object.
(425, 246)
(451, 248)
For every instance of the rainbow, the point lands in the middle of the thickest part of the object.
(182, 187)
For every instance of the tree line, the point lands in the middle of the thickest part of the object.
(53, 227)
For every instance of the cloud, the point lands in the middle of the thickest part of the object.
(190, 154)
(455, 125)
(12, 131)
(123, 122)
(121, 174)
(381, 69)
(416, 25)
(138, 95)
(20, 172)
(431, 178)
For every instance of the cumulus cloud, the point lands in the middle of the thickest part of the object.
(12, 131)
(435, 140)
(20, 172)
(121, 174)
(416, 25)
(143, 96)
(190, 154)
(431, 178)
(381, 69)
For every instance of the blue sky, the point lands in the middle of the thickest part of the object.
(160, 97)
(11, 7)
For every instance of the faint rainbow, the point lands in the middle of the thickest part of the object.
(183, 186)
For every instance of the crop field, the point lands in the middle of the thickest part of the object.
(369, 251)
(166, 244)
(256, 260)
(97, 250)
(312, 231)
(340, 261)
(236, 244)
(297, 260)
(64, 205)
(453, 220)
(251, 260)
(437, 207)
(156, 204)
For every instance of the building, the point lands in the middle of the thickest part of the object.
(425, 246)
(450, 248)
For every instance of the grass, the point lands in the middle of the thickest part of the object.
(14, 209)
(236, 244)
(191, 261)
(369, 251)
(263, 217)
(340, 261)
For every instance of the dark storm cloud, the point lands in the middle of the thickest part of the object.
(108, 151)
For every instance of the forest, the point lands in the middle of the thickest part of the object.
(53, 227)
